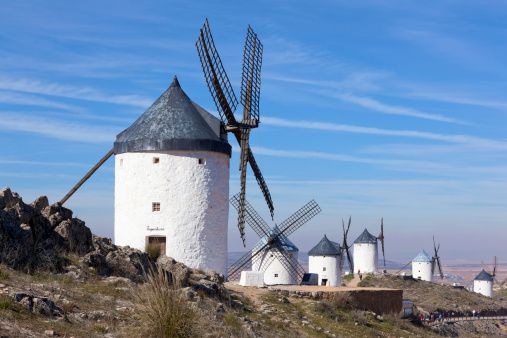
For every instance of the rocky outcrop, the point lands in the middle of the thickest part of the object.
(107, 259)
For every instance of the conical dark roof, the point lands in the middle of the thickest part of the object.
(366, 237)
(483, 275)
(325, 248)
(173, 122)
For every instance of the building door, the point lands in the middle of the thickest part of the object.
(323, 282)
(157, 242)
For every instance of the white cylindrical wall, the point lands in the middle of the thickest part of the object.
(422, 271)
(274, 271)
(365, 257)
(483, 287)
(326, 267)
(193, 191)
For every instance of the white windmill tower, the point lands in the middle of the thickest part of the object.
(422, 267)
(365, 251)
(324, 259)
(173, 157)
(172, 165)
(483, 282)
(274, 255)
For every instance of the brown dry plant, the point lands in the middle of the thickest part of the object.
(163, 309)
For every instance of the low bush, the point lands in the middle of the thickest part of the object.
(163, 309)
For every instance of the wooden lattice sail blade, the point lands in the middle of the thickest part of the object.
(252, 218)
(261, 182)
(251, 74)
(300, 217)
(245, 261)
(293, 267)
(242, 195)
(218, 82)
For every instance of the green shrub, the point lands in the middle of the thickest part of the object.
(348, 278)
(3, 274)
(5, 302)
(163, 309)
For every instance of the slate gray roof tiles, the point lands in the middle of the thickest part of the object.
(173, 122)
(325, 248)
(366, 237)
(483, 275)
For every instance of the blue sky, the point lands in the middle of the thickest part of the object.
(391, 109)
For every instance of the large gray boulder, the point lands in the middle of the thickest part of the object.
(77, 236)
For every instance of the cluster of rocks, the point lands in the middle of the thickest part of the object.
(37, 236)
(40, 237)
(194, 281)
(38, 305)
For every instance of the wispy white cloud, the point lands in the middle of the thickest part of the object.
(443, 96)
(316, 125)
(56, 128)
(384, 108)
(42, 163)
(74, 92)
(31, 100)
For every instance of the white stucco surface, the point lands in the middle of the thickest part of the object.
(365, 257)
(274, 271)
(194, 204)
(252, 278)
(422, 271)
(483, 287)
(326, 267)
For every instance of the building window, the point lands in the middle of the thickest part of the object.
(156, 160)
(155, 206)
(202, 161)
(324, 269)
(276, 275)
(121, 162)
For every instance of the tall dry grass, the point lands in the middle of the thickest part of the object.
(163, 309)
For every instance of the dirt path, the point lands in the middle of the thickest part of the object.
(252, 292)
(353, 282)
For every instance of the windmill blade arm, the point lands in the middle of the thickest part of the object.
(440, 268)
(289, 265)
(349, 258)
(218, 82)
(300, 217)
(251, 74)
(245, 261)
(261, 182)
(383, 252)
(252, 218)
(87, 176)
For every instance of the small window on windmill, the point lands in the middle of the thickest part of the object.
(202, 161)
(155, 206)
(121, 162)
(324, 269)
(156, 160)
(276, 275)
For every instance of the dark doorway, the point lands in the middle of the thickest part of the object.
(324, 282)
(156, 243)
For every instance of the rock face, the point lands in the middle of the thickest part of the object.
(39, 237)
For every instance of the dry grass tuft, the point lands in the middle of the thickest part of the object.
(153, 251)
(163, 309)
(3, 274)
